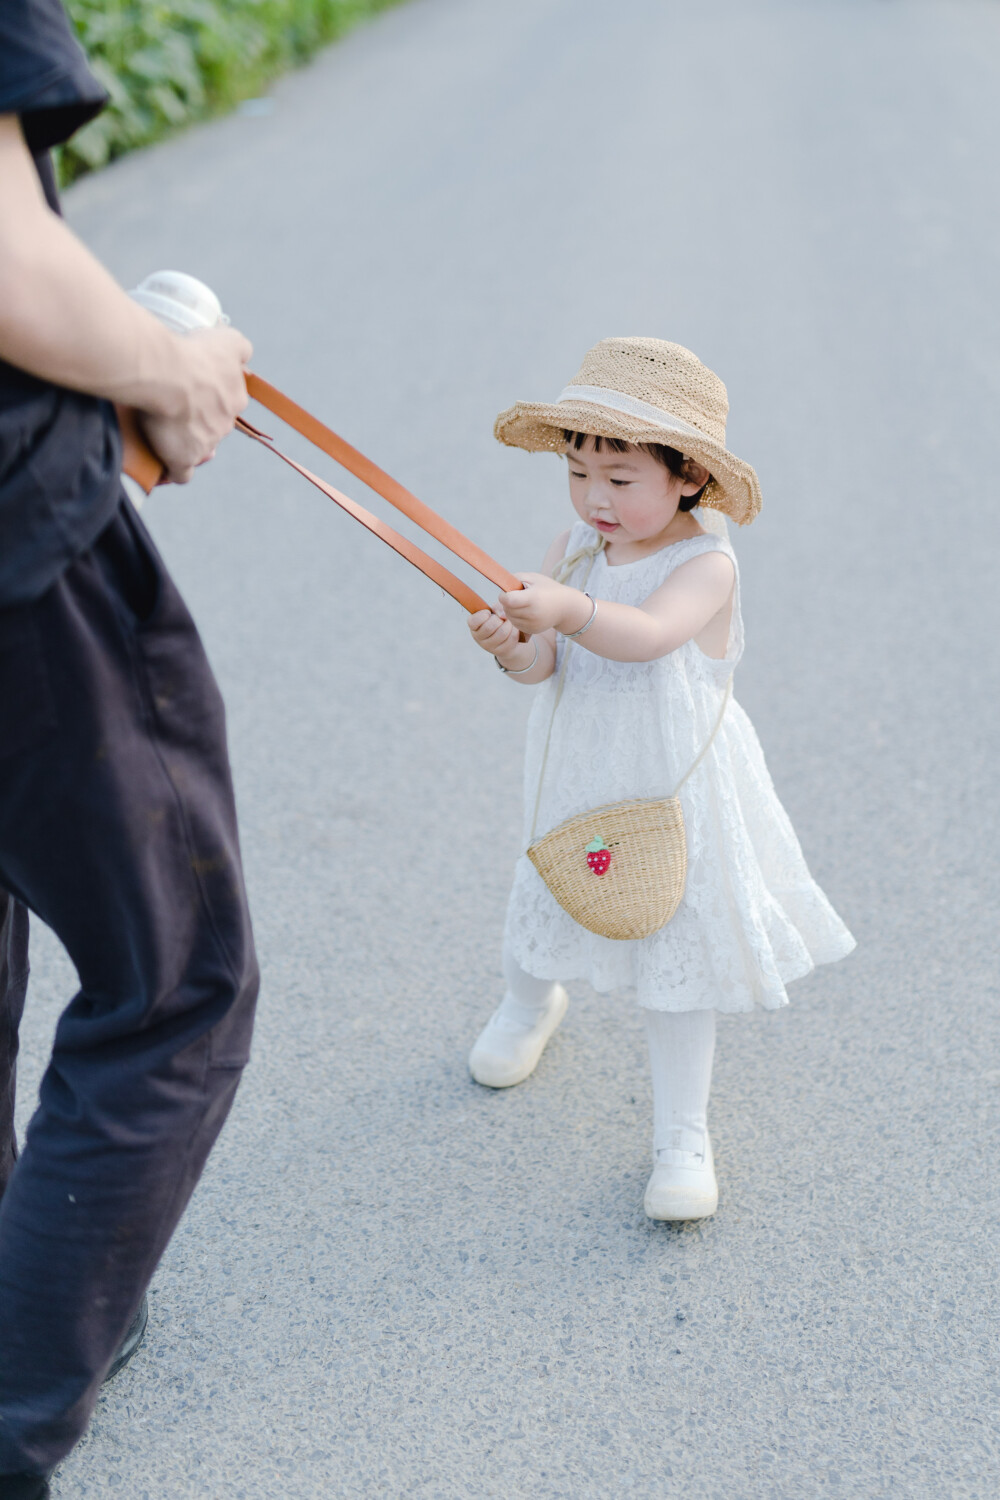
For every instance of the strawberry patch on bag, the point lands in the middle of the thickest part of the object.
(598, 857)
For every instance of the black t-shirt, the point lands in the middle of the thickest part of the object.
(60, 453)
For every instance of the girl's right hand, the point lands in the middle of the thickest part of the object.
(492, 631)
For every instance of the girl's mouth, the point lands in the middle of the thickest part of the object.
(607, 527)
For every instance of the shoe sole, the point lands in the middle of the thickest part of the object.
(504, 1080)
(680, 1208)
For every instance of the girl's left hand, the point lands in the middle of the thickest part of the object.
(544, 604)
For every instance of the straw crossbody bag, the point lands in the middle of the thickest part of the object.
(619, 870)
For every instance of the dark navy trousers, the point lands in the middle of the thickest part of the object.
(117, 827)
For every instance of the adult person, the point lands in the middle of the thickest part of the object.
(117, 824)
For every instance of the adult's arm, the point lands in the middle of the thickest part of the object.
(64, 319)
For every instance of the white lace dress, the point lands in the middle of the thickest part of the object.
(752, 918)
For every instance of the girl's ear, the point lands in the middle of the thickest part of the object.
(694, 475)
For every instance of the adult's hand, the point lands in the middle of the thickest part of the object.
(63, 318)
(193, 411)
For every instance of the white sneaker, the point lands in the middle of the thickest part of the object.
(512, 1041)
(682, 1186)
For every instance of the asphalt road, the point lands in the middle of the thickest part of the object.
(392, 1282)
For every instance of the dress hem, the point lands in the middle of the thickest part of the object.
(829, 955)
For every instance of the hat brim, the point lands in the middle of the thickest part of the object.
(539, 427)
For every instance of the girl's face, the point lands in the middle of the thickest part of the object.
(628, 497)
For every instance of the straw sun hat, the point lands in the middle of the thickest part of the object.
(643, 391)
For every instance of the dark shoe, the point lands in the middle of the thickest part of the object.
(24, 1487)
(36, 1486)
(126, 1349)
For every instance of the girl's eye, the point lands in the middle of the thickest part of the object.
(575, 474)
(620, 483)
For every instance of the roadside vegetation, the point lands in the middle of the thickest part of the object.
(168, 64)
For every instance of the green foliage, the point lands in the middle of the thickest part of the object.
(167, 64)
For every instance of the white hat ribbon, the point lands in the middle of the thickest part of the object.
(629, 406)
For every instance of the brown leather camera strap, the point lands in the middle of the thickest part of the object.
(458, 590)
(376, 479)
(138, 459)
(146, 469)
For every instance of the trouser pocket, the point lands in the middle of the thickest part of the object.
(130, 567)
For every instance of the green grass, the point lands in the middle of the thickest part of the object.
(166, 65)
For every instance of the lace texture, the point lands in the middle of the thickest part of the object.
(752, 918)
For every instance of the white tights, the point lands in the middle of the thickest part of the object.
(681, 1052)
(530, 996)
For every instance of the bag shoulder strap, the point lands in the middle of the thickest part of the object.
(558, 698)
(710, 741)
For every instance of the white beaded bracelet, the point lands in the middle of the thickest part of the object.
(571, 635)
(518, 671)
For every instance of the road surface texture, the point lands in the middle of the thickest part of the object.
(394, 1282)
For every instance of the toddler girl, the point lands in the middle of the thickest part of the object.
(643, 593)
